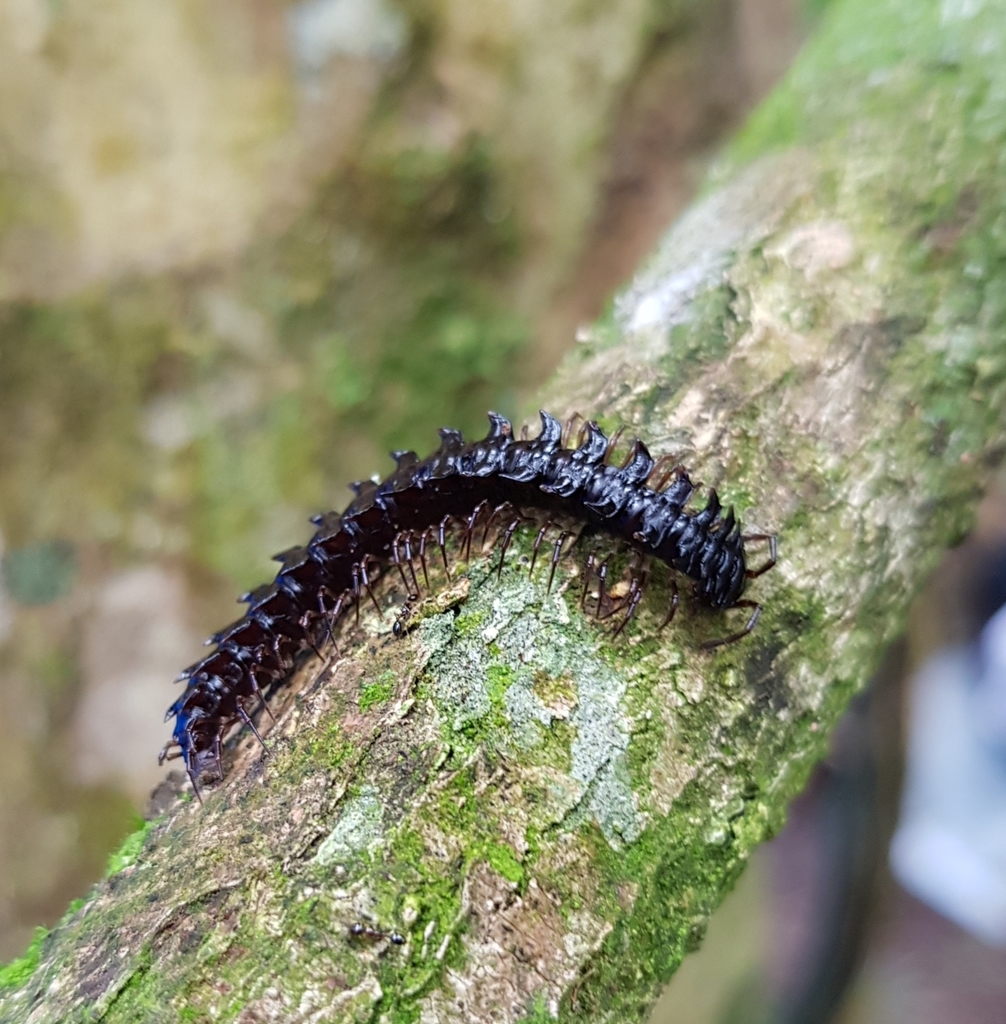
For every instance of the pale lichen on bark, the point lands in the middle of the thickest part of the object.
(545, 816)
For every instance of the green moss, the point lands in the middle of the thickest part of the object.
(326, 749)
(906, 57)
(673, 868)
(469, 622)
(499, 679)
(647, 738)
(693, 343)
(503, 860)
(136, 1000)
(128, 853)
(538, 1013)
(377, 692)
(18, 971)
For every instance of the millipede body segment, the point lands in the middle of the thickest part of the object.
(500, 481)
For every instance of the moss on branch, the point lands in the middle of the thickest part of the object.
(546, 817)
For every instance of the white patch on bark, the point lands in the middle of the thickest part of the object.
(359, 828)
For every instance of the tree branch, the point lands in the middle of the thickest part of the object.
(547, 817)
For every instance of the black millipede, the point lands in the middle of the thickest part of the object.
(500, 482)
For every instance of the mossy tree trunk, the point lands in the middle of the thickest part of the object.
(547, 817)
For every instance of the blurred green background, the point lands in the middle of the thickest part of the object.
(246, 248)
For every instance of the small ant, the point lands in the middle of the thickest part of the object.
(362, 931)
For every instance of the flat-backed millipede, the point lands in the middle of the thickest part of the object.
(498, 482)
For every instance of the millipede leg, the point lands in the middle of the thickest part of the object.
(470, 527)
(195, 785)
(567, 430)
(635, 566)
(658, 483)
(332, 617)
(507, 537)
(216, 754)
(441, 528)
(588, 571)
(674, 605)
(414, 595)
(281, 659)
(466, 544)
(329, 617)
(773, 553)
(304, 623)
(711, 645)
(355, 570)
(491, 519)
(251, 725)
(492, 516)
(422, 555)
(396, 560)
(171, 751)
(261, 696)
(365, 579)
(633, 598)
(658, 467)
(612, 441)
(556, 554)
(537, 544)
(602, 575)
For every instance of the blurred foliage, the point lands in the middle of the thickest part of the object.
(374, 319)
(39, 573)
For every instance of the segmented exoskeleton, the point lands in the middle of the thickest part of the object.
(500, 480)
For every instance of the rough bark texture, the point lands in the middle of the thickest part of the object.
(546, 816)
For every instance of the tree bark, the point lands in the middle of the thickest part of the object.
(546, 816)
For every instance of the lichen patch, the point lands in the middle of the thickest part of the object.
(517, 674)
(359, 828)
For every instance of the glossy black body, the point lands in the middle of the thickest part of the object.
(537, 476)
